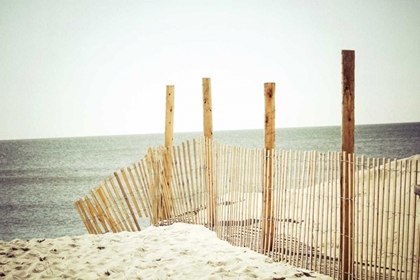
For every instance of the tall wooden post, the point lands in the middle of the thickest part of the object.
(208, 118)
(347, 148)
(267, 192)
(208, 134)
(169, 136)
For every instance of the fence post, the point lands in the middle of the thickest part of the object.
(208, 119)
(208, 134)
(417, 192)
(267, 191)
(169, 136)
(347, 148)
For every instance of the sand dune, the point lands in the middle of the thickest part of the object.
(179, 251)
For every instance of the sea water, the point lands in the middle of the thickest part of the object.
(40, 179)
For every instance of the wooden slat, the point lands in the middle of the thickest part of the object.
(405, 219)
(80, 209)
(186, 177)
(180, 186)
(162, 186)
(166, 186)
(254, 196)
(400, 219)
(218, 190)
(125, 195)
(211, 203)
(317, 212)
(417, 180)
(198, 180)
(311, 208)
(153, 188)
(131, 189)
(384, 242)
(235, 196)
(415, 264)
(125, 215)
(337, 273)
(411, 222)
(245, 196)
(140, 197)
(141, 172)
(121, 224)
(361, 217)
(323, 213)
(306, 212)
(357, 222)
(99, 211)
(93, 214)
(301, 205)
(108, 209)
(192, 182)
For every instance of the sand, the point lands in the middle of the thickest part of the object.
(179, 251)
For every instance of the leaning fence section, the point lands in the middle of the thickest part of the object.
(142, 194)
(224, 188)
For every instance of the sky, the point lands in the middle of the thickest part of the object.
(99, 67)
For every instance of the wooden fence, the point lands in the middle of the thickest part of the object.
(305, 220)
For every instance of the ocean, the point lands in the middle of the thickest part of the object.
(41, 178)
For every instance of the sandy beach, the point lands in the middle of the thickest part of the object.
(179, 251)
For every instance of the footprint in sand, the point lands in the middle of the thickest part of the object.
(141, 249)
(19, 267)
(214, 264)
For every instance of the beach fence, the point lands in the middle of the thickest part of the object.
(340, 215)
(305, 210)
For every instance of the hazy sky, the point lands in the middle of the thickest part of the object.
(96, 67)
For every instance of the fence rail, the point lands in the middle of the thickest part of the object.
(222, 187)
